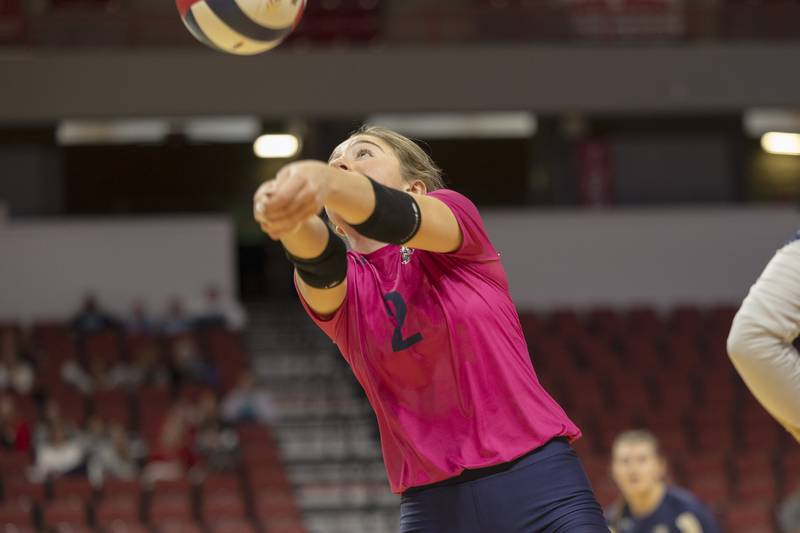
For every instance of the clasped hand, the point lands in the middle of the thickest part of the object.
(297, 193)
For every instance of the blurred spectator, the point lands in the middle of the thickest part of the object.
(171, 455)
(140, 322)
(175, 321)
(147, 369)
(247, 402)
(60, 455)
(15, 432)
(53, 417)
(648, 504)
(789, 514)
(220, 311)
(215, 443)
(115, 456)
(15, 374)
(188, 364)
(94, 434)
(99, 376)
(91, 318)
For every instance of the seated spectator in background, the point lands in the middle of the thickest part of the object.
(114, 457)
(91, 318)
(171, 455)
(648, 504)
(147, 370)
(53, 416)
(220, 311)
(99, 376)
(60, 455)
(789, 514)
(216, 444)
(247, 402)
(15, 432)
(140, 322)
(15, 373)
(189, 365)
(175, 321)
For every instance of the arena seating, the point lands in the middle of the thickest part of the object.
(671, 374)
(252, 496)
(611, 370)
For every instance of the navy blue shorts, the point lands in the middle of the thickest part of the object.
(546, 491)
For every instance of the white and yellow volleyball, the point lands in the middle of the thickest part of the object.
(241, 27)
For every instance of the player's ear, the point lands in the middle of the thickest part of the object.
(416, 187)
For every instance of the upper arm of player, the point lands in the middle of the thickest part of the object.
(324, 302)
(439, 230)
(760, 341)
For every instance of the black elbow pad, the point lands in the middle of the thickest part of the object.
(395, 219)
(326, 271)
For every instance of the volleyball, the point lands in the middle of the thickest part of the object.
(241, 27)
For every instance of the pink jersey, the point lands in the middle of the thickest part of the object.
(436, 343)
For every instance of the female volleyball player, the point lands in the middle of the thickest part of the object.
(420, 309)
(760, 343)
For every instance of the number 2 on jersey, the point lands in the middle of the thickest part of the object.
(399, 314)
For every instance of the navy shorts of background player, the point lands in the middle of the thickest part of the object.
(679, 512)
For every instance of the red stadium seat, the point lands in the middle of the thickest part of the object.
(753, 464)
(221, 483)
(71, 403)
(114, 488)
(65, 527)
(700, 465)
(284, 523)
(104, 345)
(607, 323)
(70, 512)
(72, 488)
(19, 488)
(748, 517)
(25, 406)
(170, 507)
(790, 463)
(233, 526)
(255, 434)
(150, 397)
(181, 487)
(178, 526)
(223, 506)
(118, 526)
(15, 513)
(120, 509)
(757, 487)
(269, 503)
(267, 477)
(711, 489)
(14, 464)
(18, 529)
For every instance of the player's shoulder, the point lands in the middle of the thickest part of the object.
(453, 198)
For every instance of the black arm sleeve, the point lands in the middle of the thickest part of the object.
(395, 219)
(326, 271)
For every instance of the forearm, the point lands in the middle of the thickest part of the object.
(760, 341)
(350, 196)
(308, 240)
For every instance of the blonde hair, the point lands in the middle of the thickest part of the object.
(638, 436)
(415, 163)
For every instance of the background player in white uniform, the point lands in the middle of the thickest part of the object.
(760, 343)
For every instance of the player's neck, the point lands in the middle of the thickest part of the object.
(363, 245)
(645, 503)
